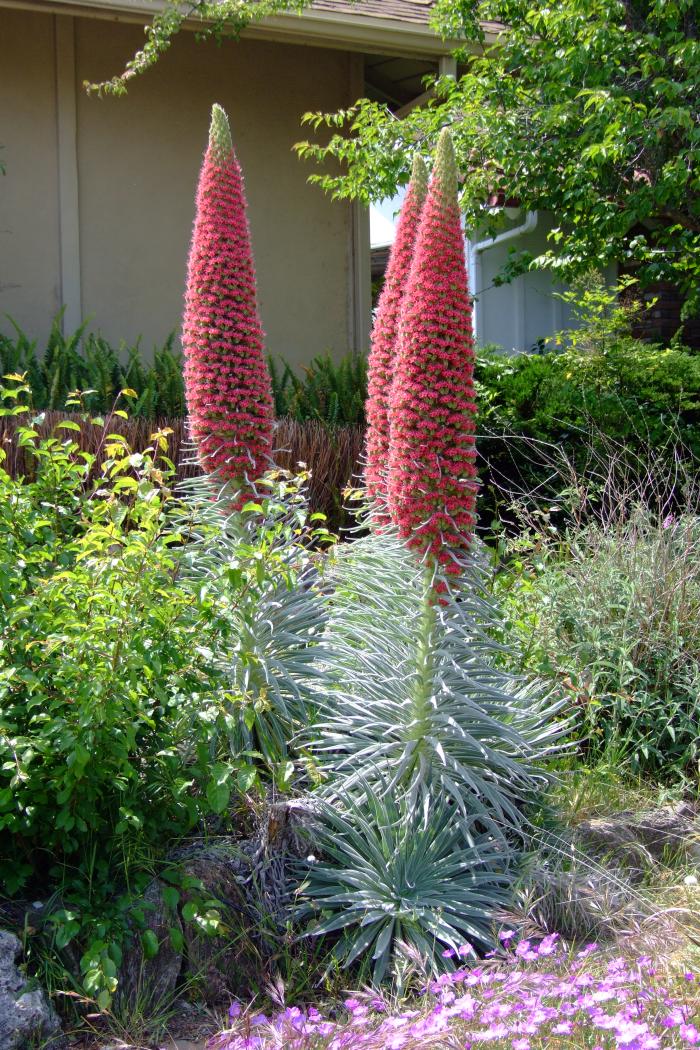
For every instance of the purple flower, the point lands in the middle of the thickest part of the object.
(548, 944)
(673, 1019)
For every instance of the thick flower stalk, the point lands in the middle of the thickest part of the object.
(227, 386)
(432, 486)
(382, 356)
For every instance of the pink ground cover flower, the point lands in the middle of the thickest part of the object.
(431, 486)
(512, 1004)
(382, 355)
(227, 386)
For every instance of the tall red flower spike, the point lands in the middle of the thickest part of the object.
(382, 356)
(226, 380)
(432, 487)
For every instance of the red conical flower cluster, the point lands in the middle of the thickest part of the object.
(432, 488)
(226, 380)
(382, 356)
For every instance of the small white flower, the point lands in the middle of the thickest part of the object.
(691, 880)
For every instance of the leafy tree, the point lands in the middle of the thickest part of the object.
(584, 108)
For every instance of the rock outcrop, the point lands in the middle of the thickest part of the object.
(26, 1015)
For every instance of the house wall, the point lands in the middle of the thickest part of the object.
(29, 235)
(135, 161)
(516, 316)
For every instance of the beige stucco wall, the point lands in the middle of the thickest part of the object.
(29, 236)
(137, 164)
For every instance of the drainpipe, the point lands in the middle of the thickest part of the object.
(475, 250)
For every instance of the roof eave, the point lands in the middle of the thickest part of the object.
(352, 32)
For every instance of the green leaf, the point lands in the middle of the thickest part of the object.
(149, 943)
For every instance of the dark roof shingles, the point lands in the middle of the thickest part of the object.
(416, 11)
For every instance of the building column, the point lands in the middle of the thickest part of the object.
(361, 290)
(67, 150)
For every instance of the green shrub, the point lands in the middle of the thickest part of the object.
(611, 608)
(144, 682)
(604, 388)
(631, 391)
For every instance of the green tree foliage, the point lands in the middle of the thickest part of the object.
(587, 109)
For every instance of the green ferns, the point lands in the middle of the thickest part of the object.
(329, 392)
(86, 362)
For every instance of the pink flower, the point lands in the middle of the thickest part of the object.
(227, 386)
(382, 354)
(432, 472)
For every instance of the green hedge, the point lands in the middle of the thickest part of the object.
(632, 398)
(631, 390)
(633, 394)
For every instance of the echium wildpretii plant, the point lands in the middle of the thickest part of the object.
(382, 355)
(411, 706)
(417, 726)
(432, 449)
(227, 385)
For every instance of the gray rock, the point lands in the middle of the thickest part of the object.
(251, 881)
(640, 840)
(27, 1018)
(150, 982)
(228, 962)
(248, 883)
